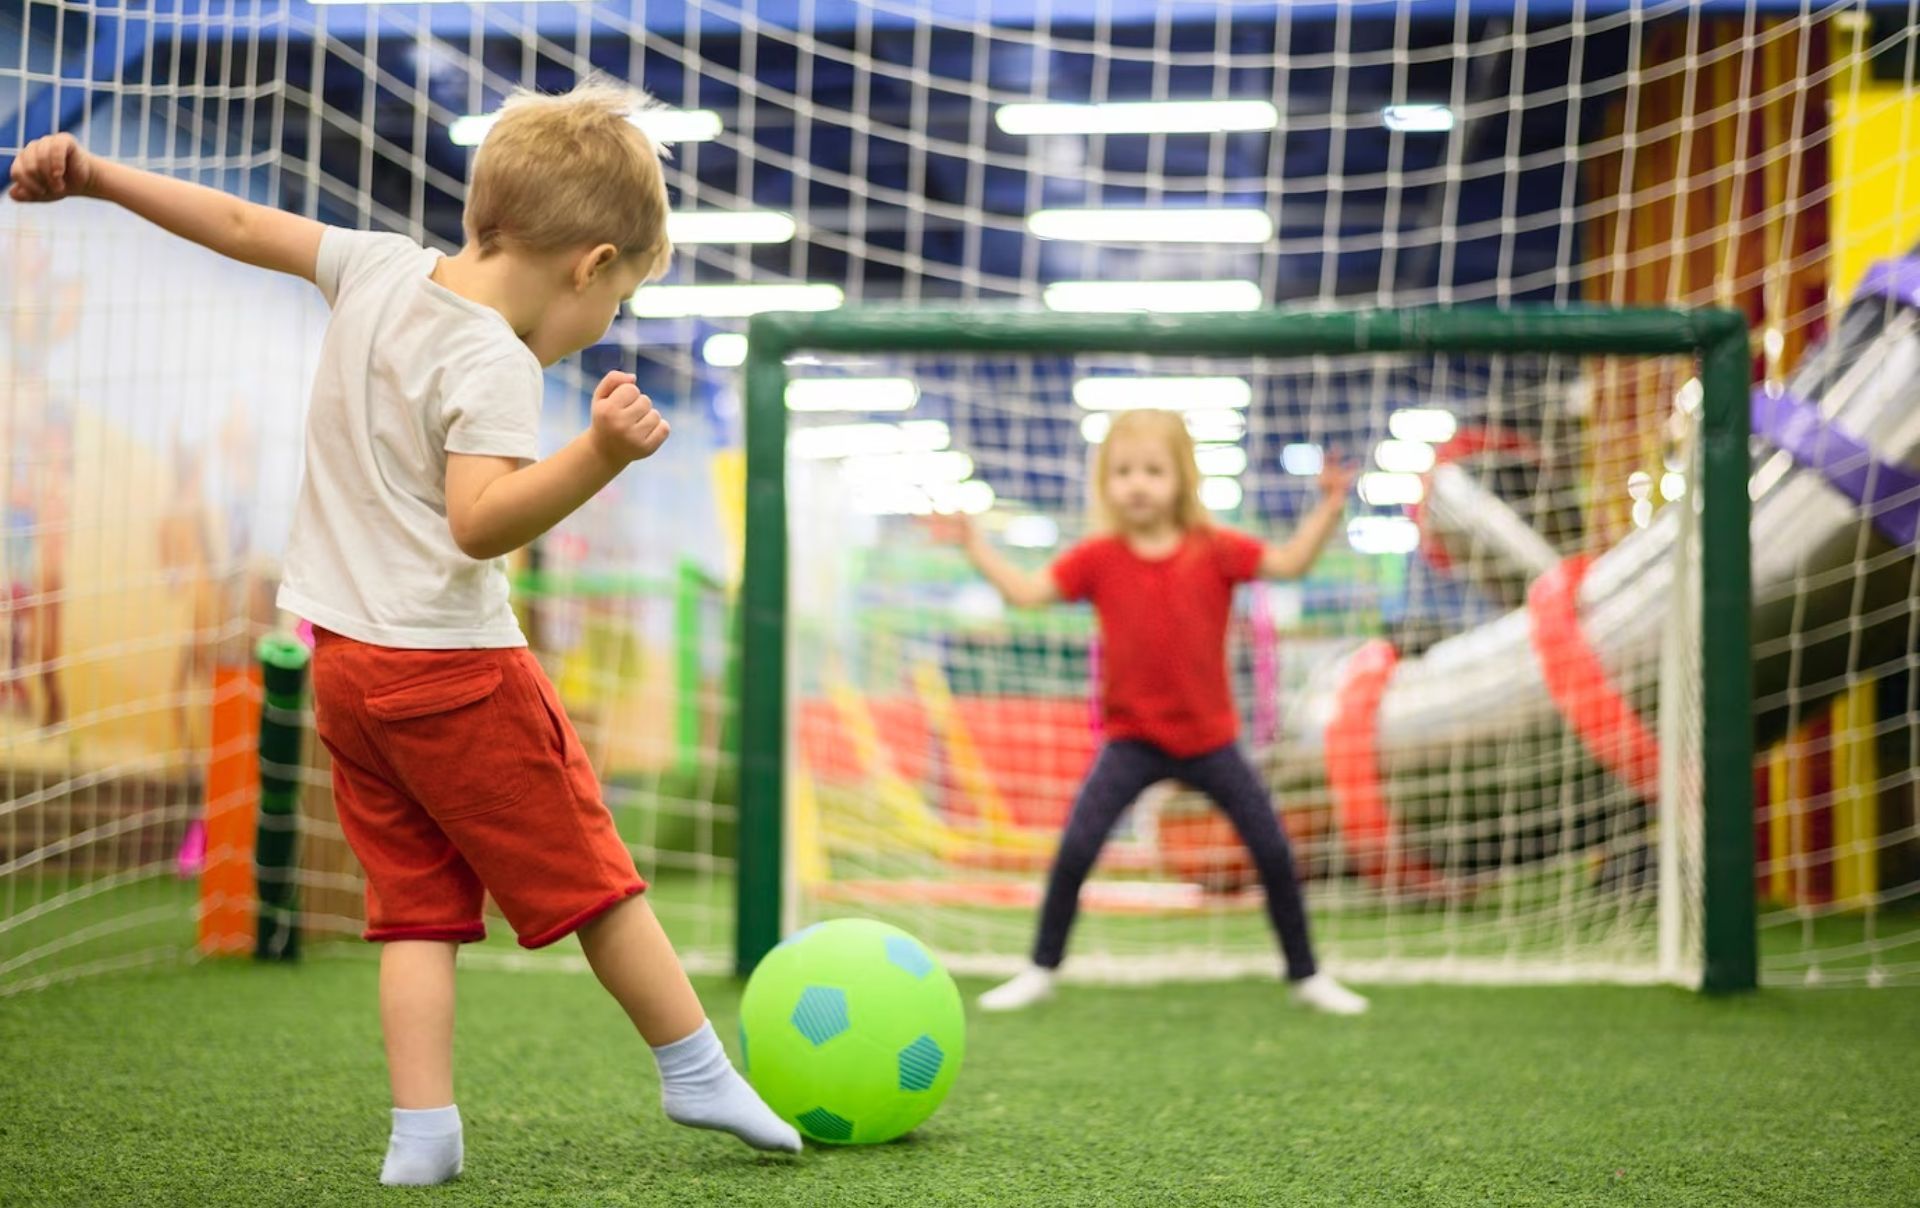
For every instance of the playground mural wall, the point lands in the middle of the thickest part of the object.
(148, 497)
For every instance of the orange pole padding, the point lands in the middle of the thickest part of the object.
(1360, 808)
(228, 902)
(1581, 689)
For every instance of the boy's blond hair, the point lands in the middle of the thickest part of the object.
(567, 171)
(1169, 428)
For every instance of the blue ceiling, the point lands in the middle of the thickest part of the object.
(890, 174)
(906, 188)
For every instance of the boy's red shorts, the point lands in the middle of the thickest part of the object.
(456, 773)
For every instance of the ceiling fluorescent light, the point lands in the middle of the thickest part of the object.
(1404, 456)
(724, 349)
(1216, 427)
(1428, 424)
(1119, 393)
(1417, 119)
(1303, 460)
(890, 499)
(1220, 494)
(852, 394)
(731, 301)
(729, 226)
(660, 125)
(854, 440)
(921, 469)
(1221, 461)
(1390, 490)
(1383, 535)
(1181, 224)
(972, 496)
(1138, 117)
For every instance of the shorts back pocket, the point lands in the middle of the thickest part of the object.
(451, 741)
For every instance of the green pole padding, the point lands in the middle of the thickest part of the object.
(1729, 915)
(1596, 330)
(763, 654)
(283, 673)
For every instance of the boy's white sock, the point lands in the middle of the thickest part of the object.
(425, 1147)
(700, 1089)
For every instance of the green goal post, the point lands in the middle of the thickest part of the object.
(1717, 338)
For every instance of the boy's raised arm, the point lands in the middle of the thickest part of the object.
(57, 166)
(494, 508)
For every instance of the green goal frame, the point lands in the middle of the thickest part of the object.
(1718, 338)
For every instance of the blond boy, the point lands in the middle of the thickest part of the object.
(456, 772)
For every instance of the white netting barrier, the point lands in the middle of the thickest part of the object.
(1757, 155)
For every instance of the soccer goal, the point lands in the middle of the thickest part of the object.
(1559, 791)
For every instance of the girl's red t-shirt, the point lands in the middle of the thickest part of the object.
(1164, 622)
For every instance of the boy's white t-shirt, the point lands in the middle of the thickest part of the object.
(409, 372)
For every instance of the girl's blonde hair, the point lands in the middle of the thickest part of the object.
(1170, 429)
(559, 172)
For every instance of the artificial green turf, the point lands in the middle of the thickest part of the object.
(227, 1083)
(154, 918)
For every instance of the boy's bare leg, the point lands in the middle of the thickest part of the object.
(635, 961)
(416, 1017)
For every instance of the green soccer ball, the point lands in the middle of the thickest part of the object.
(852, 1032)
